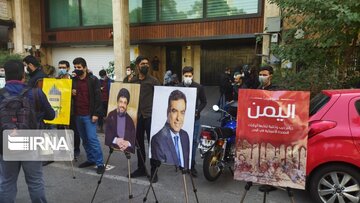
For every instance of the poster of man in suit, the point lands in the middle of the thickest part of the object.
(172, 125)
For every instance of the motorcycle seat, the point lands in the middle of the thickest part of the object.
(224, 132)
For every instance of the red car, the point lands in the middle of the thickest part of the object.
(333, 162)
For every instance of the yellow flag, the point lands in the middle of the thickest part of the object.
(58, 93)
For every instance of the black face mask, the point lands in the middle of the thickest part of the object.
(144, 70)
(79, 72)
(28, 69)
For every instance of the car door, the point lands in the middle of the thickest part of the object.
(354, 120)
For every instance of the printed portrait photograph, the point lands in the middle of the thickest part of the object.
(120, 129)
(172, 125)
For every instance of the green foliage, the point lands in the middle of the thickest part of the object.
(5, 56)
(110, 70)
(328, 50)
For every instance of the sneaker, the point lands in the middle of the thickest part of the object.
(100, 169)
(193, 172)
(138, 173)
(86, 164)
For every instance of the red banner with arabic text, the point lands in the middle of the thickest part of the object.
(271, 137)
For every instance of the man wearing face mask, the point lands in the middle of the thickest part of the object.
(129, 75)
(265, 76)
(63, 70)
(147, 83)
(105, 83)
(87, 109)
(34, 70)
(201, 102)
(63, 73)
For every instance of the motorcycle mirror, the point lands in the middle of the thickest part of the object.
(216, 108)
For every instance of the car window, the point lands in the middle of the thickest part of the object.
(357, 106)
(318, 102)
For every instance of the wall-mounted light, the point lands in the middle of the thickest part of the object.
(37, 52)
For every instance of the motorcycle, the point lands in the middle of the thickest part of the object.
(217, 145)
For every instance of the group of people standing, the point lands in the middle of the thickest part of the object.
(244, 78)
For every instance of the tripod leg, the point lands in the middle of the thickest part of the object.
(150, 186)
(72, 169)
(129, 171)
(291, 194)
(264, 200)
(71, 158)
(194, 188)
(185, 186)
(247, 188)
(99, 182)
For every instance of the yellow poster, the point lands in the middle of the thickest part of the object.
(58, 93)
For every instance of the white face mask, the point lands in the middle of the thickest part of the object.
(187, 81)
(128, 72)
(263, 79)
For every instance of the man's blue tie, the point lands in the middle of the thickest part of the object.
(176, 140)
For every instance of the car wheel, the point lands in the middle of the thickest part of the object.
(335, 184)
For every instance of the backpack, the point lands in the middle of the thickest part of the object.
(16, 111)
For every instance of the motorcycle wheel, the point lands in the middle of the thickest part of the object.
(211, 167)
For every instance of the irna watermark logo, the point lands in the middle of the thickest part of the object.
(38, 145)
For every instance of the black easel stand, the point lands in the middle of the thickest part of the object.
(184, 172)
(99, 182)
(266, 189)
(151, 181)
(128, 156)
(247, 188)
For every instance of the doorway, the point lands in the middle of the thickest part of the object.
(173, 60)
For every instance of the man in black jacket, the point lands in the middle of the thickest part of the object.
(265, 76)
(9, 170)
(201, 102)
(147, 83)
(87, 109)
(35, 71)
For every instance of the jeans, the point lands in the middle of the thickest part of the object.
(76, 134)
(101, 118)
(195, 139)
(9, 172)
(91, 144)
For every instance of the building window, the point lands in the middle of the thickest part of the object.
(180, 9)
(64, 13)
(142, 11)
(67, 13)
(223, 8)
(96, 12)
